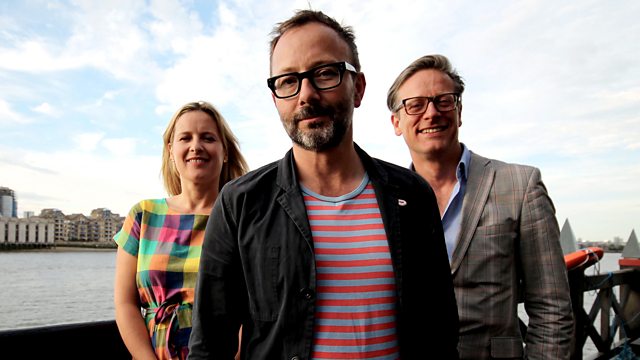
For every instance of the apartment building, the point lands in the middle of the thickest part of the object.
(52, 225)
(21, 231)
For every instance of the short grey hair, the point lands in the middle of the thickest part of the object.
(303, 17)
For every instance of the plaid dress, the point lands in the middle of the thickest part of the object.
(168, 246)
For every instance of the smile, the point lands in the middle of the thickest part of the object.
(432, 130)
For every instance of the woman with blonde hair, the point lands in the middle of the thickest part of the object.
(160, 241)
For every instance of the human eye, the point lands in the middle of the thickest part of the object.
(326, 73)
(210, 138)
(414, 105)
(286, 81)
(445, 102)
(446, 99)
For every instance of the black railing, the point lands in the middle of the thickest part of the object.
(92, 340)
(619, 315)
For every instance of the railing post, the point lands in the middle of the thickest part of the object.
(605, 316)
(630, 293)
(630, 303)
(576, 285)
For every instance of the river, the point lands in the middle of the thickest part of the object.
(57, 287)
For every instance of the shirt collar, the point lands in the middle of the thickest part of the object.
(463, 165)
(462, 170)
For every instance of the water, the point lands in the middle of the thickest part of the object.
(55, 287)
(58, 287)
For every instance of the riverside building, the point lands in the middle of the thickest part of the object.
(52, 226)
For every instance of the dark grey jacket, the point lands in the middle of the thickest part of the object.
(258, 270)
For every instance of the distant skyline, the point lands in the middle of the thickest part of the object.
(87, 88)
(566, 223)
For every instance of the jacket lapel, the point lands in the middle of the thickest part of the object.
(479, 182)
(290, 197)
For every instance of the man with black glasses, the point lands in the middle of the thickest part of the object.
(327, 253)
(500, 228)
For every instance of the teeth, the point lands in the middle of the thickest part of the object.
(196, 160)
(430, 131)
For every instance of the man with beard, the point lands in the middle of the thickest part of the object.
(328, 252)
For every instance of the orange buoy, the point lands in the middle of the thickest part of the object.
(583, 257)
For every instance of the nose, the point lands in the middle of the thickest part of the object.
(431, 110)
(307, 91)
(196, 146)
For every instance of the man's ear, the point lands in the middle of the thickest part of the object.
(360, 85)
(395, 121)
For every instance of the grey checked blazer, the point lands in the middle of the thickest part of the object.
(509, 242)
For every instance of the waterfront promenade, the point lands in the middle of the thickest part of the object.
(60, 246)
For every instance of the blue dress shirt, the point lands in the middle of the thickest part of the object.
(452, 216)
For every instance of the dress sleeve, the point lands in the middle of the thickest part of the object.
(128, 238)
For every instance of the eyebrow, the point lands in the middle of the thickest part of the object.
(289, 70)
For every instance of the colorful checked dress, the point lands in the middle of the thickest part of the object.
(168, 246)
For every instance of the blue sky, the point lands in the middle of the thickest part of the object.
(87, 87)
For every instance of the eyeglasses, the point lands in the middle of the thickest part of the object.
(418, 105)
(323, 77)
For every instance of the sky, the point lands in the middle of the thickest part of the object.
(87, 88)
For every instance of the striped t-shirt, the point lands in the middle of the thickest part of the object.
(356, 293)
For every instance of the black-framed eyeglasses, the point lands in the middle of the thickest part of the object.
(418, 105)
(323, 77)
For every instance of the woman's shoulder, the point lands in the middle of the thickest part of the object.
(155, 206)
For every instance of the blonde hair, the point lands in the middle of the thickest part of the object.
(235, 164)
(436, 62)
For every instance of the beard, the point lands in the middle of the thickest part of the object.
(320, 135)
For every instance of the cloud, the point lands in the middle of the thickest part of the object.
(8, 116)
(172, 25)
(104, 36)
(120, 147)
(45, 109)
(4, 158)
(34, 56)
(550, 84)
(78, 181)
(87, 142)
(220, 66)
(596, 210)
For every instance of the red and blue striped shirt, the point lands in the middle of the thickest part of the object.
(356, 292)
